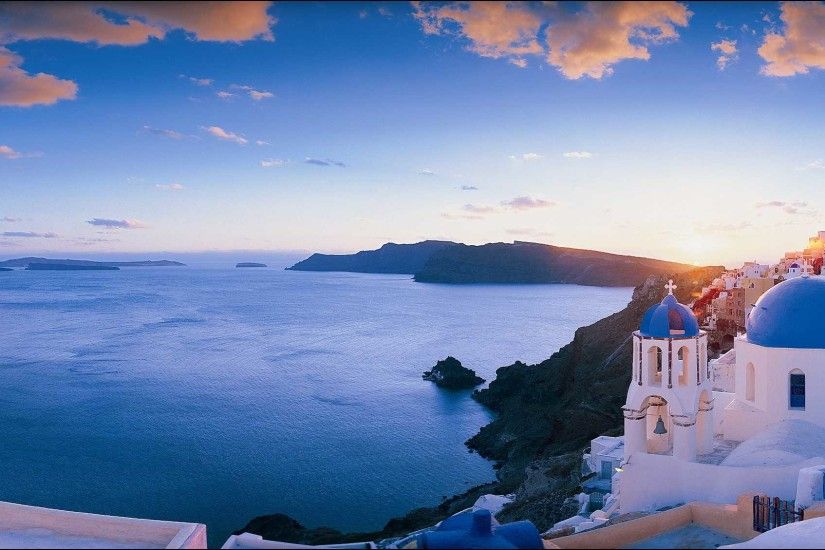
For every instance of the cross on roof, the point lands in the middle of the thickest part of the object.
(670, 287)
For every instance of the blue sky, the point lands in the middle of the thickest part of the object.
(400, 122)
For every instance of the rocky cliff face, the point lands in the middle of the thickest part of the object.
(547, 415)
(390, 258)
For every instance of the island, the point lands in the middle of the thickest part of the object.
(249, 264)
(29, 261)
(69, 267)
(6, 269)
(390, 258)
(451, 374)
(519, 262)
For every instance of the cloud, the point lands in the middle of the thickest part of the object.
(728, 52)
(425, 172)
(170, 186)
(586, 42)
(527, 203)
(452, 216)
(9, 153)
(261, 142)
(578, 155)
(21, 89)
(817, 164)
(224, 95)
(384, 11)
(116, 224)
(492, 29)
(225, 135)
(272, 163)
(479, 209)
(800, 46)
(526, 157)
(171, 134)
(792, 208)
(198, 81)
(721, 26)
(92, 22)
(253, 93)
(326, 162)
(112, 23)
(589, 42)
(29, 235)
(10, 219)
(469, 188)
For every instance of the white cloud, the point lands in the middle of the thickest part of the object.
(257, 95)
(224, 95)
(261, 142)
(170, 186)
(425, 172)
(526, 157)
(817, 164)
(116, 224)
(578, 155)
(272, 163)
(198, 81)
(225, 135)
(527, 203)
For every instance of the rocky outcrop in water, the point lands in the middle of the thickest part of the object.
(451, 374)
(249, 264)
(29, 261)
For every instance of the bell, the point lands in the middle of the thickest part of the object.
(660, 426)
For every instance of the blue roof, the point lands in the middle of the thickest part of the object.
(790, 315)
(669, 319)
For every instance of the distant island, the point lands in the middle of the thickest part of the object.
(496, 263)
(31, 261)
(249, 264)
(69, 267)
(391, 258)
(6, 269)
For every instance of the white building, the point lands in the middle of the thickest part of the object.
(686, 442)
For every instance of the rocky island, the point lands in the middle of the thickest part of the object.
(249, 264)
(496, 263)
(43, 266)
(26, 262)
(546, 416)
(451, 374)
(6, 269)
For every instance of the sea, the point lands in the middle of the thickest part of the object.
(215, 394)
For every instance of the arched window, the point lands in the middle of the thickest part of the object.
(684, 364)
(750, 382)
(654, 366)
(796, 381)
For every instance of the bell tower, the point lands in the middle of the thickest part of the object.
(669, 407)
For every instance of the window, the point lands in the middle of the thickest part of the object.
(797, 390)
(607, 469)
(750, 383)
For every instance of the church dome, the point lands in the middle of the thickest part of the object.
(789, 315)
(669, 319)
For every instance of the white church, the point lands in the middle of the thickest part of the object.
(692, 437)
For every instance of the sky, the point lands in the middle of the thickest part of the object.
(683, 131)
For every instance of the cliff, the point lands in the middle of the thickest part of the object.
(546, 416)
(533, 263)
(390, 258)
(25, 262)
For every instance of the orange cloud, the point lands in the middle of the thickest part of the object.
(19, 88)
(801, 45)
(90, 22)
(591, 41)
(587, 42)
(494, 29)
(727, 52)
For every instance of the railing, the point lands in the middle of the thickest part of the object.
(769, 513)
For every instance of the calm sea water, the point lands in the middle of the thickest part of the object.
(216, 395)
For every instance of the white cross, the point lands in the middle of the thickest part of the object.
(670, 287)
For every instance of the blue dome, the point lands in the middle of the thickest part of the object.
(669, 319)
(790, 315)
